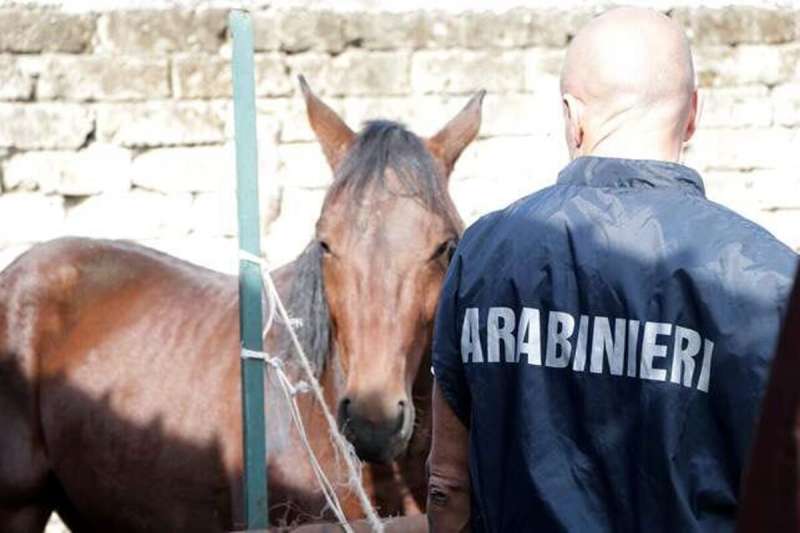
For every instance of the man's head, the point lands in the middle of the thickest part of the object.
(628, 87)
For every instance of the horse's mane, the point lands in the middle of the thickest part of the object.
(306, 302)
(381, 145)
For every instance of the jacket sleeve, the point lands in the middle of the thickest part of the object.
(446, 354)
(749, 328)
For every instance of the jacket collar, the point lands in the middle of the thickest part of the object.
(630, 173)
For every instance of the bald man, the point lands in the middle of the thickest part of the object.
(601, 346)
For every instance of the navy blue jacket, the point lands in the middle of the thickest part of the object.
(607, 341)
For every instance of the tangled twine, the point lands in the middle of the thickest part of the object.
(311, 384)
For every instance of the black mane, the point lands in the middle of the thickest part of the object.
(306, 302)
(382, 145)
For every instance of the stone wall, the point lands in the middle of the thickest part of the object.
(119, 123)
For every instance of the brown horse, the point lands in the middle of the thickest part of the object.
(119, 366)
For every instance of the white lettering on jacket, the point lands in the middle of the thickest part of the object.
(667, 352)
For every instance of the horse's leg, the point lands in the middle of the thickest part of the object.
(25, 502)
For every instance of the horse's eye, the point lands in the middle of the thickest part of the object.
(445, 249)
(326, 249)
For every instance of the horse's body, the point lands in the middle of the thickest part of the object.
(120, 383)
(120, 400)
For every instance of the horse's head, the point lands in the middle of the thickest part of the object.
(386, 232)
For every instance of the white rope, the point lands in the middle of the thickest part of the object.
(290, 391)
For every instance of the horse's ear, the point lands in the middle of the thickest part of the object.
(451, 140)
(331, 131)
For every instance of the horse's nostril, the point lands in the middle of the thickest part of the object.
(344, 410)
(401, 416)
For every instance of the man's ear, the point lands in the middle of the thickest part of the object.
(331, 131)
(462, 129)
(695, 110)
(573, 123)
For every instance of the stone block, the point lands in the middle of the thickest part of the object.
(34, 171)
(214, 214)
(733, 189)
(27, 30)
(209, 76)
(748, 193)
(267, 129)
(289, 234)
(161, 31)
(201, 76)
(492, 29)
(217, 253)
(521, 114)
(265, 31)
(735, 107)
(314, 66)
(779, 189)
(301, 30)
(284, 119)
(503, 114)
(161, 123)
(16, 84)
(747, 64)
(736, 25)
(114, 78)
(96, 169)
(462, 72)
(303, 165)
(476, 197)
(520, 164)
(422, 114)
(521, 27)
(554, 28)
(742, 149)
(495, 172)
(543, 70)
(381, 30)
(30, 65)
(293, 117)
(27, 217)
(355, 73)
(8, 253)
(783, 224)
(786, 100)
(182, 169)
(41, 126)
(137, 214)
(441, 29)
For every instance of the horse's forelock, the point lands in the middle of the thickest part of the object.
(383, 145)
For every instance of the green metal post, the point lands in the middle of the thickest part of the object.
(250, 282)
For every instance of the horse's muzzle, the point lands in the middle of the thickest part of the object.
(376, 439)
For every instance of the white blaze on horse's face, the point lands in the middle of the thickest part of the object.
(387, 231)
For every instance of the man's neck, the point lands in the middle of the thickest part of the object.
(634, 146)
